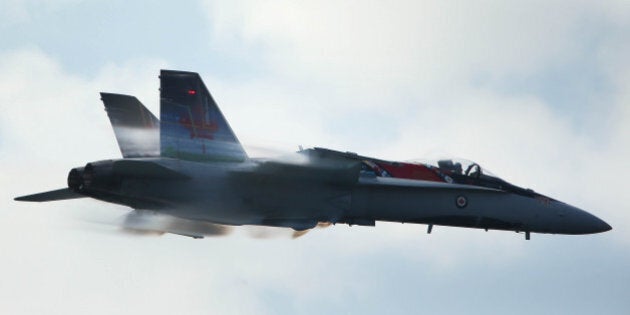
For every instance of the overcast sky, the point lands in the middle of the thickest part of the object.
(536, 91)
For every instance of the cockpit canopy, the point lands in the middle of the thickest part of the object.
(458, 171)
(462, 171)
(460, 167)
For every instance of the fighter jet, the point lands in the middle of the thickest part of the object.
(190, 165)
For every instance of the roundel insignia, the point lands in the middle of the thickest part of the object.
(461, 201)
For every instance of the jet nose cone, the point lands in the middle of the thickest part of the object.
(582, 222)
(601, 226)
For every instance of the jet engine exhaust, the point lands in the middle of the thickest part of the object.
(75, 179)
(97, 175)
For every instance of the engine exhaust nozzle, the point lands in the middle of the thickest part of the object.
(75, 179)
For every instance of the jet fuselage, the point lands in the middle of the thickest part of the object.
(246, 194)
(191, 165)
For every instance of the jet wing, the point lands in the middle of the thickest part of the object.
(53, 195)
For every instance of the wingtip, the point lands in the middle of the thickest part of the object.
(23, 198)
(53, 195)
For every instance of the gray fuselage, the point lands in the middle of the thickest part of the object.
(245, 194)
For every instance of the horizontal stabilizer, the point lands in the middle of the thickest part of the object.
(59, 194)
(137, 130)
(147, 169)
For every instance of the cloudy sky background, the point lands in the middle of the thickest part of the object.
(538, 92)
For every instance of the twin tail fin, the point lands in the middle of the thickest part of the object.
(192, 126)
(137, 130)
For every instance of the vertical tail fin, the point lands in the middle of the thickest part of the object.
(192, 126)
(136, 128)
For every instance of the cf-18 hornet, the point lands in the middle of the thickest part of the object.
(190, 165)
